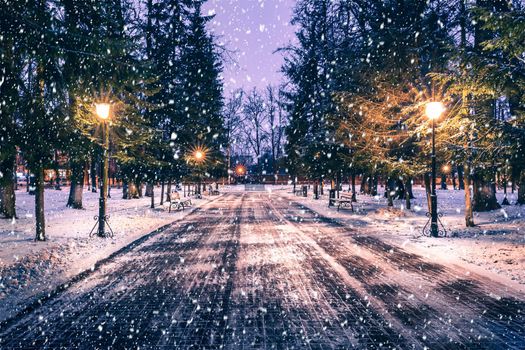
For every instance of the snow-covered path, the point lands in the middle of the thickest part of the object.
(257, 270)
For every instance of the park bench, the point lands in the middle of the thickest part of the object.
(215, 192)
(344, 201)
(178, 202)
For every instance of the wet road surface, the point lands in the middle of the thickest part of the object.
(258, 271)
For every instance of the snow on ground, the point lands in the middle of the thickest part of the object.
(496, 244)
(28, 268)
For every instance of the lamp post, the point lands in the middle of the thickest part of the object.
(103, 111)
(433, 111)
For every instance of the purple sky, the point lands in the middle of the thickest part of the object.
(254, 29)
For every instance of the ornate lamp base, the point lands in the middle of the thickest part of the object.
(442, 231)
(106, 222)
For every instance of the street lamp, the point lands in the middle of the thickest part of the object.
(433, 110)
(240, 170)
(199, 156)
(103, 112)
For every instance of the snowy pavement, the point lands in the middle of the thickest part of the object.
(260, 270)
(29, 268)
(496, 244)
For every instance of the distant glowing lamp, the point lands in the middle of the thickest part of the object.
(103, 110)
(239, 170)
(199, 155)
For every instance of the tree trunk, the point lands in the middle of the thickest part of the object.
(390, 198)
(140, 190)
(443, 181)
(364, 184)
(7, 187)
(86, 174)
(484, 198)
(162, 193)
(400, 189)
(125, 194)
(77, 186)
(521, 189)
(426, 179)
(505, 184)
(149, 190)
(375, 183)
(133, 191)
(469, 215)
(354, 194)
(93, 173)
(152, 195)
(408, 189)
(168, 192)
(461, 180)
(40, 234)
(390, 190)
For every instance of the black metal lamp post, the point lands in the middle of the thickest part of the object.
(433, 111)
(103, 112)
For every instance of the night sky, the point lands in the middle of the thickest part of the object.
(254, 29)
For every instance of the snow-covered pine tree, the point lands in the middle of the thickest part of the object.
(40, 119)
(10, 71)
(199, 120)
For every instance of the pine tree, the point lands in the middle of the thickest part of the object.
(10, 75)
(309, 70)
(84, 48)
(200, 121)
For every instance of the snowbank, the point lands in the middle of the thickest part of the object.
(496, 244)
(28, 268)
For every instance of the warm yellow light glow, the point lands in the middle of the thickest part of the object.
(240, 170)
(446, 168)
(102, 110)
(434, 110)
(199, 155)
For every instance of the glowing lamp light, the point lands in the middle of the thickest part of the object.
(446, 168)
(102, 110)
(240, 170)
(199, 155)
(433, 110)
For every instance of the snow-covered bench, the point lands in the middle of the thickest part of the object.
(344, 201)
(178, 202)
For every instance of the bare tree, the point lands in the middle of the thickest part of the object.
(234, 121)
(276, 122)
(255, 112)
